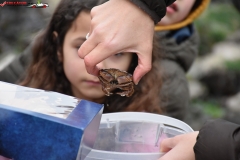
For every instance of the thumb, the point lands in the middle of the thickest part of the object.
(167, 144)
(144, 66)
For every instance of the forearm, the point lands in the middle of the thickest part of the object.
(219, 140)
(156, 9)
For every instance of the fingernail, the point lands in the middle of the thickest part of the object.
(87, 36)
(137, 81)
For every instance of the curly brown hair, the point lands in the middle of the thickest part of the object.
(46, 71)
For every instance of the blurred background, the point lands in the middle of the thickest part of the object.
(214, 79)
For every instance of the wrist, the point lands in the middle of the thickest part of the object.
(155, 9)
(146, 9)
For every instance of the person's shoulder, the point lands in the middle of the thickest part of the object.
(174, 91)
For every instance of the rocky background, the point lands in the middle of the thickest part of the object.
(19, 25)
(214, 79)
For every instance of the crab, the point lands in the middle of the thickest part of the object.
(120, 82)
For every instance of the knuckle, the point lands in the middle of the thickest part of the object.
(93, 23)
(109, 45)
(87, 61)
(94, 11)
(98, 29)
(81, 52)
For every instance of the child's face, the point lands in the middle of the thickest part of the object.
(84, 85)
(177, 12)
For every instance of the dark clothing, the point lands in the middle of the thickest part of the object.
(218, 140)
(156, 9)
(181, 34)
(180, 48)
(236, 3)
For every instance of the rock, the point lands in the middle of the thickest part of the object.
(235, 38)
(222, 83)
(233, 103)
(228, 51)
(232, 116)
(222, 52)
(196, 89)
(204, 65)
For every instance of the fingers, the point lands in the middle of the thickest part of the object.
(174, 151)
(119, 32)
(176, 146)
(98, 54)
(87, 46)
(144, 66)
(167, 144)
(175, 154)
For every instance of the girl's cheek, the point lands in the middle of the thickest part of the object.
(118, 61)
(73, 64)
(120, 66)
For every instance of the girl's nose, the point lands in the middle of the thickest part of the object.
(101, 65)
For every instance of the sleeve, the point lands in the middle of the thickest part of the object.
(236, 3)
(156, 9)
(218, 139)
(174, 94)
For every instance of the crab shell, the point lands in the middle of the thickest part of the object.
(112, 79)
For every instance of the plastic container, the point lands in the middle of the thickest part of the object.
(42, 125)
(134, 135)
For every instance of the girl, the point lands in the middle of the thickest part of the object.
(56, 66)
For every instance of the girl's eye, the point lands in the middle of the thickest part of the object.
(118, 54)
(78, 45)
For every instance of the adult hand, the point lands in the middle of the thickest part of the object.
(118, 26)
(179, 147)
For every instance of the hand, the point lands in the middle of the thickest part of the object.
(179, 147)
(118, 26)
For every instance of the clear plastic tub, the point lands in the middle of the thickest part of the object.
(134, 135)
